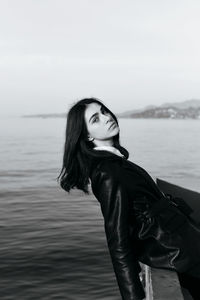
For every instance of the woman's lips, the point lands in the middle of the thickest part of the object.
(113, 124)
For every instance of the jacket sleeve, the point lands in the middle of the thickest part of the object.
(113, 199)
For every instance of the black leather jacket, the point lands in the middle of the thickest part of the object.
(141, 225)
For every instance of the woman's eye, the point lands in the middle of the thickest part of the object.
(95, 120)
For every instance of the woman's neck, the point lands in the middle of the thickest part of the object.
(107, 143)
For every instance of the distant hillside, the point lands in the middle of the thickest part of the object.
(189, 109)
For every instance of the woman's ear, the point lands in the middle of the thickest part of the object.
(90, 139)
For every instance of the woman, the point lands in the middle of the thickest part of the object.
(141, 224)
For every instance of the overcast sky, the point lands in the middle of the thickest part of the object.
(127, 53)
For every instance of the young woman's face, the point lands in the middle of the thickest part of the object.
(100, 124)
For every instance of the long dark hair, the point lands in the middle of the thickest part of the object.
(78, 150)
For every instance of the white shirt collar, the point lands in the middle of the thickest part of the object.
(109, 148)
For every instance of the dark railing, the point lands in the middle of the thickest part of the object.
(162, 284)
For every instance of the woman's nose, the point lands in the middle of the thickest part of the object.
(106, 118)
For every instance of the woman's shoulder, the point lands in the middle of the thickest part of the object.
(106, 175)
(106, 167)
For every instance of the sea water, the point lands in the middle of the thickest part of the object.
(53, 243)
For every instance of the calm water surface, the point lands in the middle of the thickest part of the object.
(53, 244)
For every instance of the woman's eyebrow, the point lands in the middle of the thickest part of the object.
(95, 114)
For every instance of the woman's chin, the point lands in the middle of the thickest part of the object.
(115, 131)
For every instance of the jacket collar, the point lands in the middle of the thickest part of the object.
(102, 155)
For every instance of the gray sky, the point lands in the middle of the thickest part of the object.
(127, 53)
